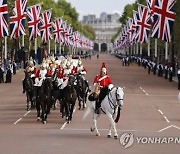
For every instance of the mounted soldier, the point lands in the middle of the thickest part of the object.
(81, 70)
(40, 75)
(31, 69)
(102, 83)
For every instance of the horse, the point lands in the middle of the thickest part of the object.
(111, 106)
(82, 90)
(69, 97)
(44, 99)
(28, 87)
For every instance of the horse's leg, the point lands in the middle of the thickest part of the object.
(71, 111)
(38, 110)
(95, 116)
(113, 125)
(66, 107)
(109, 134)
(28, 99)
(43, 112)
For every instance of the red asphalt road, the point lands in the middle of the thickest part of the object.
(151, 109)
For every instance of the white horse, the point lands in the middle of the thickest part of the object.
(110, 106)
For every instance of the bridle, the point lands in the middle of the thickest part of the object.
(110, 99)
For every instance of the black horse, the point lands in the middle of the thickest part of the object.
(44, 99)
(82, 89)
(28, 88)
(69, 97)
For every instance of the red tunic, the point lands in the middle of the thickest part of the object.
(60, 74)
(104, 81)
(49, 73)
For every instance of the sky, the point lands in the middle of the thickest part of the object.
(85, 7)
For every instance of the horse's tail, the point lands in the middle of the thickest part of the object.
(118, 115)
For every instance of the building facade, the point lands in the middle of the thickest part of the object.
(105, 27)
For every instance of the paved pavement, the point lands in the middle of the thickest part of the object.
(150, 111)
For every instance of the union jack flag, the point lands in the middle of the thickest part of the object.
(33, 21)
(58, 30)
(150, 5)
(17, 22)
(65, 33)
(45, 27)
(134, 26)
(3, 18)
(143, 24)
(163, 19)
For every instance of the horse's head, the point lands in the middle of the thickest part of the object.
(28, 83)
(79, 80)
(71, 81)
(119, 93)
(47, 84)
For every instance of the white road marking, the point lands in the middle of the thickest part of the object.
(166, 119)
(144, 91)
(64, 125)
(27, 113)
(163, 115)
(169, 127)
(17, 121)
(164, 128)
(160, 112)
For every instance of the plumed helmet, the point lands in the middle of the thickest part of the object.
(31, 63)
(103, 69)
(43, 65)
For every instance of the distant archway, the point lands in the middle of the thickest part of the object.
(103, 47)
(96, 47)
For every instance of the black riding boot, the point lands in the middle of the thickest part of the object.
(97, 108)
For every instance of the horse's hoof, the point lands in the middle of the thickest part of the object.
(28, 109)
(44, 122)
(108, 136)
(115, 137)
(92, 129)
(97, 134)
(38, 118)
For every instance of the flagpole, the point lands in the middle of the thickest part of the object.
(155, 54)
(49, 47)
(166, 51)
(137, 52)
(55, 49)
(35, 48)
(149, 54)
(5, 47)
(141, 49)
(60, 48)
(23, 41)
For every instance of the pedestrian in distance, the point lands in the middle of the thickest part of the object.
(178, 75)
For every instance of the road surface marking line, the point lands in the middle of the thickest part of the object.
(166, 119)
(17, 121)
(175, 126)
(160, 112)
(27, 113)
(144, 91)
(165, 128)
(63, 126)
